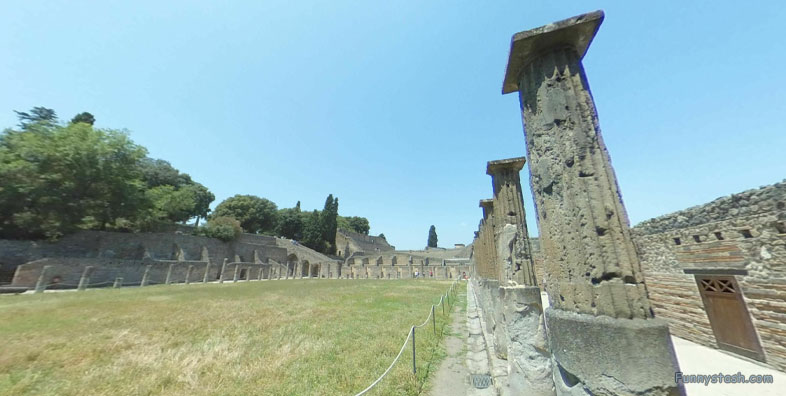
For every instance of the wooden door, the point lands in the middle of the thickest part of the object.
(729, 316)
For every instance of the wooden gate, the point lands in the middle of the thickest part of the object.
(729, 316)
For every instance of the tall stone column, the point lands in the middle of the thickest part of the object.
(509, 209)
(487, 234)
(602, 332)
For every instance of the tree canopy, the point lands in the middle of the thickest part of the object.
(255, 214)
(56, 179)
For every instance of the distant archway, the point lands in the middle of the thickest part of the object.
(304, 269)
(315, 270)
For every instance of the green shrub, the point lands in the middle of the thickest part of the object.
(224, 228)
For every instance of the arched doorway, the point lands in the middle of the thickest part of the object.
(304, 269)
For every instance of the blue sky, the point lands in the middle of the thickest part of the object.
(395, 107)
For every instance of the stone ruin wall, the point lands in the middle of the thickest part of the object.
(127, 255)
(402, 266)
(349, 243)
(742, 232)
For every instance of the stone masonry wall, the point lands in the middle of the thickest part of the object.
(129, 250)
(744, 233)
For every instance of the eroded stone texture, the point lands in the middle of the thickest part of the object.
(602, 333)
(584, 229)
(509, 209)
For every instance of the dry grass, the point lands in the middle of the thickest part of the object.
(295, 337)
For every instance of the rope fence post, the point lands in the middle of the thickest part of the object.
(442, 302)
(433, 319)
(414, 366)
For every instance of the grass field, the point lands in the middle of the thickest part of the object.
(294, 337)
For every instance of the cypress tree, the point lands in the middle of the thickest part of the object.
(432, 237)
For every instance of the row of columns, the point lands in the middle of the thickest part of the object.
(602, 335)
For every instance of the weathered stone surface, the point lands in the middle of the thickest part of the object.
(602, 334)
(607, 356)
(584, 229)
(508, 208)
(529, 358)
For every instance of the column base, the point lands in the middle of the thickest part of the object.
(600, 355)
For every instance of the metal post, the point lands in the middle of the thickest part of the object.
(145, 276)
(414, 367)
(40, 286)
(85, 279)
(433, 319)
(118, 283)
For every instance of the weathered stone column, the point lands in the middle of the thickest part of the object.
(169, 274)
(223, 269)
(145, 276)
(207, 272)
(43, 280)
(118, 283)
(189, 270)
(84, 280)
(509, 209)
(489, 258)
(259, 276)
(601, 328)
(237, 273)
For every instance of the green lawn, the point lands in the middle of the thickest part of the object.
(293, 337)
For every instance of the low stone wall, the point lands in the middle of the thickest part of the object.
(743, 236)
(66, 272)
(373, 271)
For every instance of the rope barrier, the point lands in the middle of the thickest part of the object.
(373, 384)
(410, 334)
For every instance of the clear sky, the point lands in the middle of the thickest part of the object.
(395, 107)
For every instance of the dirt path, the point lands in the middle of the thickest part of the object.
(452, 377)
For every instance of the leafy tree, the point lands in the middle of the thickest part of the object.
(223, 227)
(328, 223)
(58, 179)
(381, 235)
(255, 214)
(312, 232)
(359, 225)
(38, 116)
(85, 117)
(290, 223)
(202, 200)
(158, 172)
(432, 237)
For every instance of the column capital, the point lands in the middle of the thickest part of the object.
(576, 32)
(515, 164)
(488, 207)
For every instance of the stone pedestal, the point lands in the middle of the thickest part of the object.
(601, 328)
(529, 359)
(607, 356)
